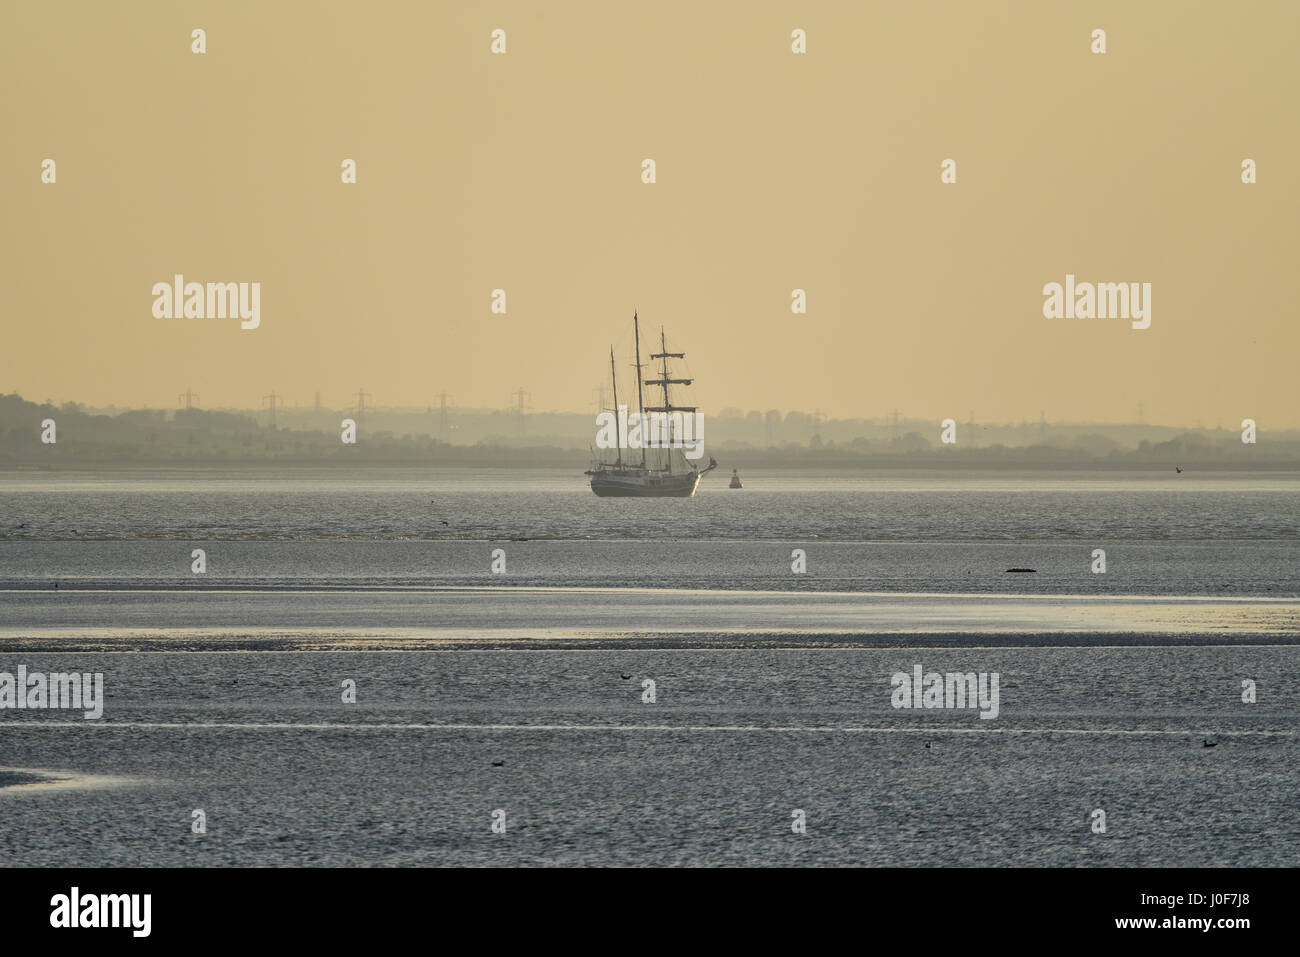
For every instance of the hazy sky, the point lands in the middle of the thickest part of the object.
(775, 171)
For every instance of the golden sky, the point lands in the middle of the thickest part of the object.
(775, 171)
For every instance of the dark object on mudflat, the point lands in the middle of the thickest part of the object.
(623, 676)
(1032, 570)
(498, 764)
(1210, 743)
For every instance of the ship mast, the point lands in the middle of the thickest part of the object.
(614, 376)
(640, 401)
(663, 381)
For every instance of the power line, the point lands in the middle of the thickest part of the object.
(442, 413)
(272, 399)
(521, 398)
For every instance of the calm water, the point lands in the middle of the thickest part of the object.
(1163, 534)
(523, 691)
(466, 504)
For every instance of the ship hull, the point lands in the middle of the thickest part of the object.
(668, 486)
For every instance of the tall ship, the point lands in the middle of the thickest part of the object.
(662, 472)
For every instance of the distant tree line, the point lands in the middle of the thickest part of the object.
(200, 438)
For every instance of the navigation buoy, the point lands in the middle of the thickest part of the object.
(735, 480)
